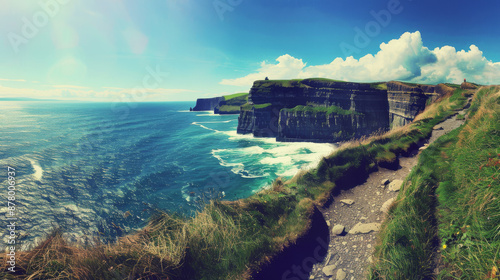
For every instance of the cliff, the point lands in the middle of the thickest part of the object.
(231, 104)
(228, 104)
(323, 110)
(406, 101)
(207, 104)
(321, 126)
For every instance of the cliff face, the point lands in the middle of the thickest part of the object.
(228, 104)
(323, 110)
(321, 126)
(407, 101)
(207, 104)
(367, 108)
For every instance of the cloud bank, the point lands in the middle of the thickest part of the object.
(404, 59)
(105, 94)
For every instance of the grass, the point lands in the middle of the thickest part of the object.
(229, 108)
(304, 83)
(382, 85)
(469, 210)
(280, 83)
(229, 240)
(248, 106)
(460, 168)
(233, 102)
(235, 95)
(322, 109)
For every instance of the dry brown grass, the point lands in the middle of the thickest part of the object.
(395, 132)
(278, 186)
(53, 252)
(166, 239)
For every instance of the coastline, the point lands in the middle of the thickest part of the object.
(294, 200)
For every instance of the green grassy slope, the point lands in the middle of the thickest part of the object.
(233, 103)
(449, 205)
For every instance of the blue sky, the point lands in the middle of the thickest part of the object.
(113, 50)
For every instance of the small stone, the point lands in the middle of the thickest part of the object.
(338, 229)
(395, 185)
(365, 228)
(347, 201)
(344, 243)
(385, 182)
(370, 260)
(386, 205)
(351, 271)
(369, 246)
(340, 274)
(328, 223)
(328, 270)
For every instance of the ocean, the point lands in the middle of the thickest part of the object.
(102, 169)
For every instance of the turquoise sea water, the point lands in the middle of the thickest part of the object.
(82, 166)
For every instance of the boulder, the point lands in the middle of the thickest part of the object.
(328, 270)
(395, 185)
(347, 201)
(340, 274)
(386, 205)
(338, 229)
(365, 228)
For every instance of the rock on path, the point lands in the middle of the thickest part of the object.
(364, 228)
(395, 185)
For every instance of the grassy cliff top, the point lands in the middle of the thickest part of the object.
(280, 83)
(248, 106)
(314, 82)
(235, 95)
(237, 99)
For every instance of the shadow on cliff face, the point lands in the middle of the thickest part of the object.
(297, 260)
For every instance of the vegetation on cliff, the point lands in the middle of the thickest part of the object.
(232, 103)
(249, 106)
(322, 109)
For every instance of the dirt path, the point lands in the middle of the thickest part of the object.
(360, 210)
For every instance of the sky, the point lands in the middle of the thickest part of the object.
(180, 50)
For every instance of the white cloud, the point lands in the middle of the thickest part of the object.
(287, 67)
(405, 59)
(13, 80)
